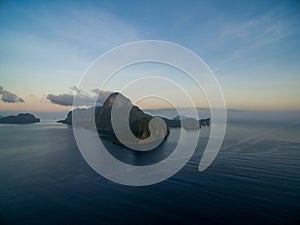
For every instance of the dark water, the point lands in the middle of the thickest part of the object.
(255, 179)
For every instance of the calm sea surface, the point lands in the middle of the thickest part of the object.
(255, 179)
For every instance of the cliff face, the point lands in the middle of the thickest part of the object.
(22, 118)
(138, 120)
(68, 120)
(103, 118)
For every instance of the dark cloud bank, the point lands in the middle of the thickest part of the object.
(9, 97)
(84, 99)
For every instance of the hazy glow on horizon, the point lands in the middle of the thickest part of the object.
(253, 48)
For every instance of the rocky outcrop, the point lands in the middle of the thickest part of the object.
(22, 118)
(204, 122)
(189, 123)
(68, 120)
(138, 120)
(83, 117)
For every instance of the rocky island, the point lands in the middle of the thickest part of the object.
(138, 120)
(22, 118)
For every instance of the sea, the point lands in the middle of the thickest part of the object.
(255, 179)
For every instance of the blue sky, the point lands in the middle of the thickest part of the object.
(253, 47)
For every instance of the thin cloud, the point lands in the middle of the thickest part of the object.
(9, 97)
(254, 34)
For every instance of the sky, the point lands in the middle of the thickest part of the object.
(252, 47)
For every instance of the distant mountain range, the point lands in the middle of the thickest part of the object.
(138, 120)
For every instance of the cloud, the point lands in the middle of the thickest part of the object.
(73, 39)
(83, 98)
(61, 99)
(9, 97)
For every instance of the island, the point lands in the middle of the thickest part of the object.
(138, 120)
(22, 118)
